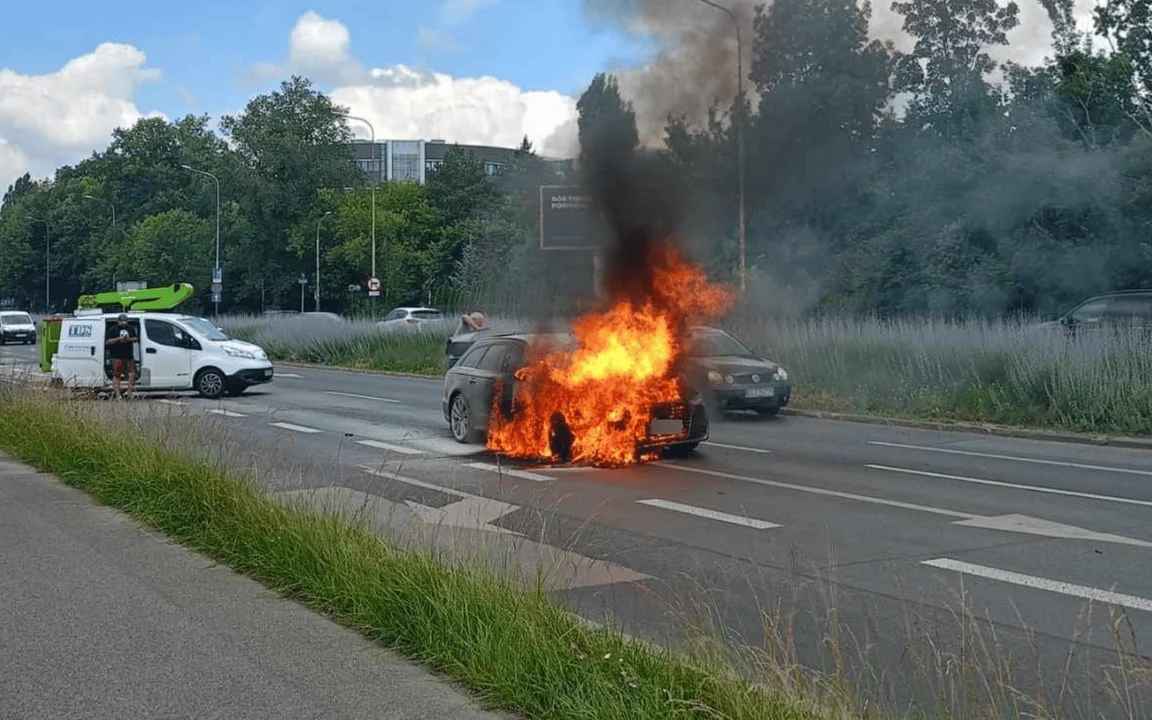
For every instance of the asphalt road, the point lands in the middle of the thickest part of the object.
(919, 544)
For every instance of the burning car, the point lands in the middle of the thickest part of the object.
(734, 377)
(480, 401)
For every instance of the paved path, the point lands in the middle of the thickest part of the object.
(102, 619)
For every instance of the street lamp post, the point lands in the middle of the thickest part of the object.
(739, 138)
(47, 264)
(108, 202)
(216, 270)
(316, 290)
(376, 165)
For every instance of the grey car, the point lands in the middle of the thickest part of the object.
(490, 361)
(732, 376)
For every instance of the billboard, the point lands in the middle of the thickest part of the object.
(568, 220)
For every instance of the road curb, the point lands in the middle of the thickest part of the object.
(361, 371)
(1120, 441)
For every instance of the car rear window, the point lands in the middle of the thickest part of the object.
(427, 314)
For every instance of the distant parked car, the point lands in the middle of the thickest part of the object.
(17, 326)
(732, 377)
(1109, 311)
(411, 318)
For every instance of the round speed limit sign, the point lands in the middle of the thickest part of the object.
(374, 285)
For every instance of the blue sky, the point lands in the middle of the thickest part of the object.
(207, 48)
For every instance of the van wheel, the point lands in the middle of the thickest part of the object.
(210, 383)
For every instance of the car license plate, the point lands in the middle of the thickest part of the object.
(757, 392)
(666, 426)
(268, 372)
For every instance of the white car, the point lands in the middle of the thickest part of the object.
(17, 327)
(175, 352)
(411, 318)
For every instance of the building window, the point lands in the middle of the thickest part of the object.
(432, 165)
(405, 167)
(371, 167)
(492, 168)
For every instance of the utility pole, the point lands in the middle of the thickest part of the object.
(375, 179)
(217, 276)
(303, 284)
(110, 205)
(739, 121)
(316, 289)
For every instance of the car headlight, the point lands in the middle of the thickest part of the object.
(780, 374)
(240, 353)
(715, 377)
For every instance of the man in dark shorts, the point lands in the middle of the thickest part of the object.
(123, 337)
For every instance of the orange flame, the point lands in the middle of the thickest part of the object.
(624, 362)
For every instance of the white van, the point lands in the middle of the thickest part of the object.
(175, 352)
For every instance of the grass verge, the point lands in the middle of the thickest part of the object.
(515, 650)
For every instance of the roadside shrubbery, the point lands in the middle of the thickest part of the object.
(996, 372)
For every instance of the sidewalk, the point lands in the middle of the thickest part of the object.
(100, 618)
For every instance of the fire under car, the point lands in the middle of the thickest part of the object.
(490, 362)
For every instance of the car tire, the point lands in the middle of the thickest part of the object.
(768, 412)
(3, 341)
(460, 420)
(210, 383)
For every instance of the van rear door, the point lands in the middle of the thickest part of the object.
(80, 357)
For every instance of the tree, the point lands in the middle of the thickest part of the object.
(287, 143)
(606, 125)
(946, 71)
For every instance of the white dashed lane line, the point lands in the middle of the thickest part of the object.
(709, 514)
(1012, 458)
(1031, 581)
(403, 450)
(362, 397)
(225, 413)
(287, 375)
(511, 472)
(294, 428)
(736, 447)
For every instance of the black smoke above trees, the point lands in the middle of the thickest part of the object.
(926, 181)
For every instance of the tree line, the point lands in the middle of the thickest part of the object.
(933, 180)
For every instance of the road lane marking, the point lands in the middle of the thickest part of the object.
(362, 397)
(415, 482)
(225, 413)
(710, 514)
(288, 375)
(179, 403)
(995, 456)
(829, 493)
(387, 446)
(1039, 583)
(736, 447)
(295, 428)
(511, 472)
(1015, 486)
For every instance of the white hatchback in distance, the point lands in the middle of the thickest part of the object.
(411, 318)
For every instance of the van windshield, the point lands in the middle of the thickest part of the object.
(16, 319)
(205, 328)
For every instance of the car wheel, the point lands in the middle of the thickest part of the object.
(768, 412)
(3, 341)
(210, 383)
(460, 420)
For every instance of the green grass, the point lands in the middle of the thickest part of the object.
(988, 372)
(514, 649)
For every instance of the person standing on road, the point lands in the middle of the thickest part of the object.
(121, 352)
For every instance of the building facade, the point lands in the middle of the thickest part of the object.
(413, 160)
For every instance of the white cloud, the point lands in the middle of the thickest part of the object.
(403, 102)
(60, 118)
